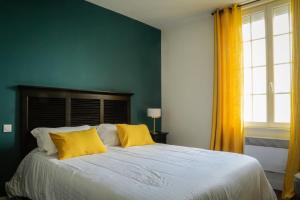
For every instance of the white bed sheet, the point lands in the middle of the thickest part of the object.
(151, 172)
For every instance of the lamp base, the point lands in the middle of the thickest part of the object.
(153, 132)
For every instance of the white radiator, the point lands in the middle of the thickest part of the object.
(272, 156)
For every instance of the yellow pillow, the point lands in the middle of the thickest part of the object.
(77, 143)
(134, 135)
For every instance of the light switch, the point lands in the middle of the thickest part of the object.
(7, 128)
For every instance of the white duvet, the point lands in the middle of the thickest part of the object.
(151, 172)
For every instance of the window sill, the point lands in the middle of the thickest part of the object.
(271, 132)
(283, 128)
(272, 126)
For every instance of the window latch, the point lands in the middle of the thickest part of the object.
(271, 86)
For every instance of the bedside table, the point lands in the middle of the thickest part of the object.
(159, 137)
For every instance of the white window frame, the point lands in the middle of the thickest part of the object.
(268, 10)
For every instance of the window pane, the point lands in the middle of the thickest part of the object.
(247, 81)
(248, 108)
(247, 54)
(259, 108)
(259, 52)
(281, 22)
(258, 25)
(246, 28)
(282, 108)
(282, 49)
(282, 78)
(259, 80)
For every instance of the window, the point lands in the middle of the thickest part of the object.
(267, 64)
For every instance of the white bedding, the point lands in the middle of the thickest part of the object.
(151, 172)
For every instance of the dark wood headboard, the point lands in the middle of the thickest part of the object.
(57, 107)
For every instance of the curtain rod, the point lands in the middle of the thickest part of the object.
(239, 5)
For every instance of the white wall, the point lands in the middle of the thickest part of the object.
(187, 81)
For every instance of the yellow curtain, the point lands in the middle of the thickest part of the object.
(227, 125)
(293, 165)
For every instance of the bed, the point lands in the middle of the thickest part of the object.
(154, 172)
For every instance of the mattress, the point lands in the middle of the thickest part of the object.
(151, 172)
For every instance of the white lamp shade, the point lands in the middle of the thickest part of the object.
(154, 112)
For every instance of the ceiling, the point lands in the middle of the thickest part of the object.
(160, 13)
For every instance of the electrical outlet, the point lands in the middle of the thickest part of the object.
(7, 128)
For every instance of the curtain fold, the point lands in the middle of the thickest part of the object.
(227, 123)
(293, 164)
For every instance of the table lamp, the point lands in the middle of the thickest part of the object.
(154, 113)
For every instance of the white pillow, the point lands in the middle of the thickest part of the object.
(44, 141)
(108, 134)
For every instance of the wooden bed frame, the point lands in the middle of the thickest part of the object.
(58, 107)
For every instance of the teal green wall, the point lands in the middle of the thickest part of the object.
(72, 44)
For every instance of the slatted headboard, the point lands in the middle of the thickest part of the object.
(57, 107)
